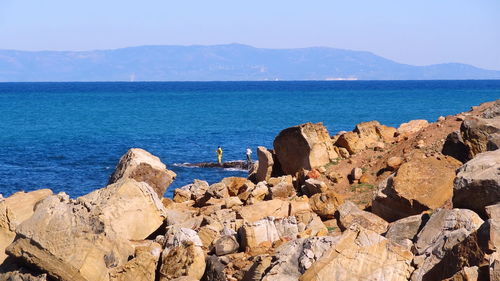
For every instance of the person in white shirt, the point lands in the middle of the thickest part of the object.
(249, 155)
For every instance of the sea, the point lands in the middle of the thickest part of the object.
(69, 136)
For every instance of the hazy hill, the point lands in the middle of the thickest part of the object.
(219, 62)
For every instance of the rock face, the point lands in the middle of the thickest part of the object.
(142, 166)
(438, 246)
(477, 132)
(349, 214)
(454, 146)
(418, 185)
(141, 268)
(306, 146)
(266, 163)
(478, 182)
(362, 255)
(184, 260)
(404, 231)
(93, 232)
(13, 211)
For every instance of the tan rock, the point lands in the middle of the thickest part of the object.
(394, 162)
(412, 127)
(141, 268)
(476, 132)
(226, 244)
(351, 142)
(13, 211)
(208, 234)
(313, 186)
(349, 214)
(361, 255)
(306, 146)
(274, 208)
(266, 163)
(325, 204)
(184, 260)
(281, 187)
(419, 185)
(267, 230)
(235, 185)
(142, 166)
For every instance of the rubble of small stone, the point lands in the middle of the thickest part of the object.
(418, 202)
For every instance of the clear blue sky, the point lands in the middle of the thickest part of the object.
(415, 32)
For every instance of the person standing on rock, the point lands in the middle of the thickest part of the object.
(219, 155)
(249, 155)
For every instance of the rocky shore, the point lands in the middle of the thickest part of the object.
(418, 202)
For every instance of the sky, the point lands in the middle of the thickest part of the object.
(419, 32)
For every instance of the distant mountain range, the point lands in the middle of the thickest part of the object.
(220, 63)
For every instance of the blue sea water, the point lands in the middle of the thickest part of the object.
(69, 136)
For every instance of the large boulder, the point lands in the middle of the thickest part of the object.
(325, 204)
(477, 132)
(349, 214)
(412, 127)
(83, 239)
(478, 182)
(13, 211)
(267, 230)
(274, 208)
(361, 254)
(266, 163)
(404, 231)
(305, 146)
(418, 185)
(365, 135)
(142, 166)
(141, 268)
(444, 242)
(454, 146)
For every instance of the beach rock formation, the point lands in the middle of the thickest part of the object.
(380, 204)
(142, 166)
(306, 146)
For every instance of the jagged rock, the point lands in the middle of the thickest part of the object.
(10, 271)
(232, 201)
(272, 208)
(235, 185)
(492, 111)
(493, 212)
(281, 187)
(194, 191)
(295, 257)
(175, 236)
(349, 214)
(258, 269)
(476, 132)
(361, 254)
(217, 190)
(405, 230)
(440, 244)
(478, 182)
(141, 268)
(351, 142)
(494, 266)
(13, 211)
(454, 146)
(267, 230)
(186, 259)
(254, 193)
(226, 244)
(394, 162)
(266, 163)
(214, 270)
(466, 274)
(208, 234)
(418, 185)
(412, 127)
(69, 239)
(365, 135)
(142, 166)
(309, 221)
(314, 186)
(325, 204)
(305, 146)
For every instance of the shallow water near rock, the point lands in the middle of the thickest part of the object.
(69, 136)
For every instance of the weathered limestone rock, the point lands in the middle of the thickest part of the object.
(454, 146)
(272, 208)
(492, 111)
(130, 208)
(175, 236)
(366, 135)
(309, 221)
(70, 241)
(466, 274)
(141, 268)
(443, 242)
(266, 163)
(351, 142)
(194, 191)
(493, 212)
(325, 204)
(412, 127)
(361, 254)
(478, 182)
(404, 231)
(235, 185)
(214, 270)
(258, 269)
(418, 185)
(281, 187)
(186, 259)
(13, 211)
(142, 166)
(254, 193)
(295, 257)
(314, 186)
(349, 214)
(226, 244)
(305, 146)
(475, 133)
(267, 230)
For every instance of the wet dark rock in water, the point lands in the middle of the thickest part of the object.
(238, 164)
